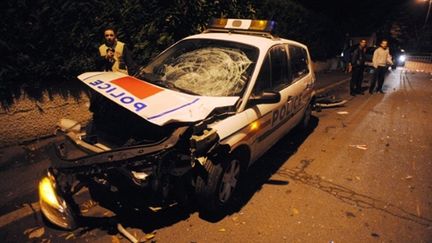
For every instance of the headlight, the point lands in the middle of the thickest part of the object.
(402, 58)
(53, 206)
(47, 193)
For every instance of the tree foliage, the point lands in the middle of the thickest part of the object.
(45, 41)
(298, 23)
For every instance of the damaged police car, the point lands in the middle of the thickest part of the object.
(191, 123)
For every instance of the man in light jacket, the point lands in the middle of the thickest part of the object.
(380, 60)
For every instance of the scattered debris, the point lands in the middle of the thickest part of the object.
(408, 177)
(342, 112)
(222, 230)
(155, 209)
(128, 235)
(350, 215)
(148, 237)
(87, 205)
(115, 239)
(294, 211)
(375, 235)
(35, 232)
(418, 210)
(359, 146)
(327, 101)
(70, 236)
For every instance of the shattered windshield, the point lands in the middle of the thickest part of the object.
(205, 67)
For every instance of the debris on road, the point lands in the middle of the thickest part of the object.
(342, 112)
(70, 236)
(326, 101)
(128, 235)
(359, 146)
(418, 210)
(35, 232)
(350, 214)
(148, 237)
(294, 211)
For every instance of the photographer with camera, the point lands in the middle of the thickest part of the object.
(115, 56)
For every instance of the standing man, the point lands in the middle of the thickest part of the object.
(356, 66)
(381, 58)
(115, 56)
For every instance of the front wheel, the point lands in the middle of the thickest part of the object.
(215, 189)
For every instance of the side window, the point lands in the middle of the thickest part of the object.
(274, 73)
(279, 67)
(264, 77)
(298, 61)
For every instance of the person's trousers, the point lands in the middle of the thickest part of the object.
(379, 76)
(356, 79)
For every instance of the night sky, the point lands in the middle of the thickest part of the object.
(362, 17)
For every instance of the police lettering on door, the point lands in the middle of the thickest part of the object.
(286, 111)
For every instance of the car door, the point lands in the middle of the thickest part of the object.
(302, 83)
(274, 119)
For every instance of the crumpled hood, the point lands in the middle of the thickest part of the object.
(156, 104)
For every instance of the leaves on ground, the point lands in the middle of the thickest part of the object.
(35, 232)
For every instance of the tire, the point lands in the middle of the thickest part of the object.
(215, 189)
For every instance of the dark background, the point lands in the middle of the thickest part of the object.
(45, 44)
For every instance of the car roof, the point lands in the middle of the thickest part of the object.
(259, 41)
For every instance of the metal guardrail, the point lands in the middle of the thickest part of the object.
(424, 59)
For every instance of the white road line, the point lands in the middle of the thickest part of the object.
(19, 214)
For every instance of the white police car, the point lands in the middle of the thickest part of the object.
(191, 123)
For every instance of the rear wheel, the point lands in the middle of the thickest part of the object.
(215, 190)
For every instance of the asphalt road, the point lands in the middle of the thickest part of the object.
(361, 174)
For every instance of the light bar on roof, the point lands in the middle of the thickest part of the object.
(243, 24)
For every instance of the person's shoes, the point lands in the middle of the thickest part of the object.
(352, 94)
(370, 92)
(382, 92)
(360, 93)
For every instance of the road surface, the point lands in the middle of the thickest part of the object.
(360, 174)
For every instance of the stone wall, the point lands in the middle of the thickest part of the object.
(28, 119)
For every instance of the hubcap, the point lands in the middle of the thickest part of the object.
(229, 181)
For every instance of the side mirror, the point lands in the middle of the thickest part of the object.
(266, 97)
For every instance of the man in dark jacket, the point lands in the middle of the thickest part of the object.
(356, 66)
